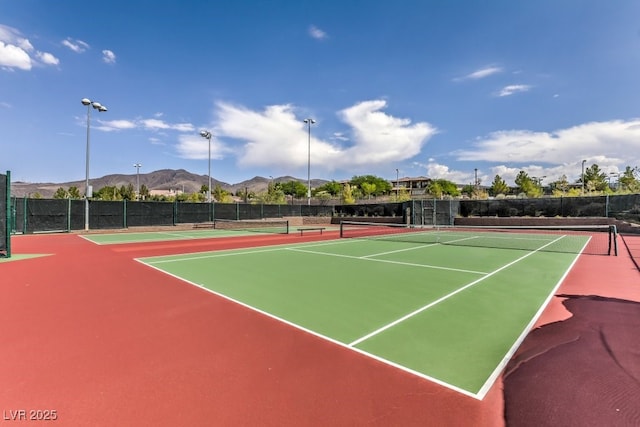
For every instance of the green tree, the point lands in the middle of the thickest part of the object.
(293, 188)
(61, 193)
(334, 188)
(594, 179)
(128, 192)
(382, 185)
(434, 189)
(527, 186)
(442, 187)
(74, 193)
(144, 192)
(368, 188)
(628, 181)
(402, 195)
(274, 195)
(221, 195)
(246, 195)
(108, 192)
(347, 195)
(498, 186)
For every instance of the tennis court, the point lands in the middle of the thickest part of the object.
(447, 306)
(216, 229)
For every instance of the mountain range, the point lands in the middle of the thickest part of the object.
(161, 180)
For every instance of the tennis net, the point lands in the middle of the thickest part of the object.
(589, 239)
(278, 226)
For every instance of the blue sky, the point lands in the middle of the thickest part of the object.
(430, 88)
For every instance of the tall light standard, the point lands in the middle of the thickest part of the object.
(207, 134)
(309, 122)
(88, 192)
(137, 166)
(582, 179)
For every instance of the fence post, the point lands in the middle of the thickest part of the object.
(69, 214)
(25, 214)
(124, 213)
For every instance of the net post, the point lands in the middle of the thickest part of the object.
(7, 215)
(613, 239)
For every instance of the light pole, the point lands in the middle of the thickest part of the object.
(309, 122)
(137, 166)
(207, 134)
(582, 179)
(88, 192)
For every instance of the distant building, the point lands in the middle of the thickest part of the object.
(416, 185)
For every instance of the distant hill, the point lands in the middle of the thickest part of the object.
(164, 179)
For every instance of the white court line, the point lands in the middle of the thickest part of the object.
(210, 254)
(364, 258)
(319, 335)
(446, 297)
(479, 395)
(496, 372)
(420, 247)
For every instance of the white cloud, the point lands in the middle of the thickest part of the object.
(16, 51)
(439, 171)
(511, 89)
(317, 33)
(155, 124)
(562, 151)
(12, 56)
(108, 56)
(380, 138)
(78, 46)
(278, 139)
(481, 73)
(118, 124)
(48, 58)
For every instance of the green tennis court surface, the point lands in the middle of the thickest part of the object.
(451, 314)
(157, 236)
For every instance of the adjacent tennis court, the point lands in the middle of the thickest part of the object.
(215, 229)
(448, 306)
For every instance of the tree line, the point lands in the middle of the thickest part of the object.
(366, 187)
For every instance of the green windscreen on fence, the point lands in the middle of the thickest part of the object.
(5, 215)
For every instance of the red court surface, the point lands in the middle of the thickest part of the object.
(104, 340)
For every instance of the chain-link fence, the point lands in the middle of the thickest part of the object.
(48, 215)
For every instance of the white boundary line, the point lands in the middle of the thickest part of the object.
(485, 387)
(494, 375)
(316, 334)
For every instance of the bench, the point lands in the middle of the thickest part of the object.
(320, 229)
(203, 225)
